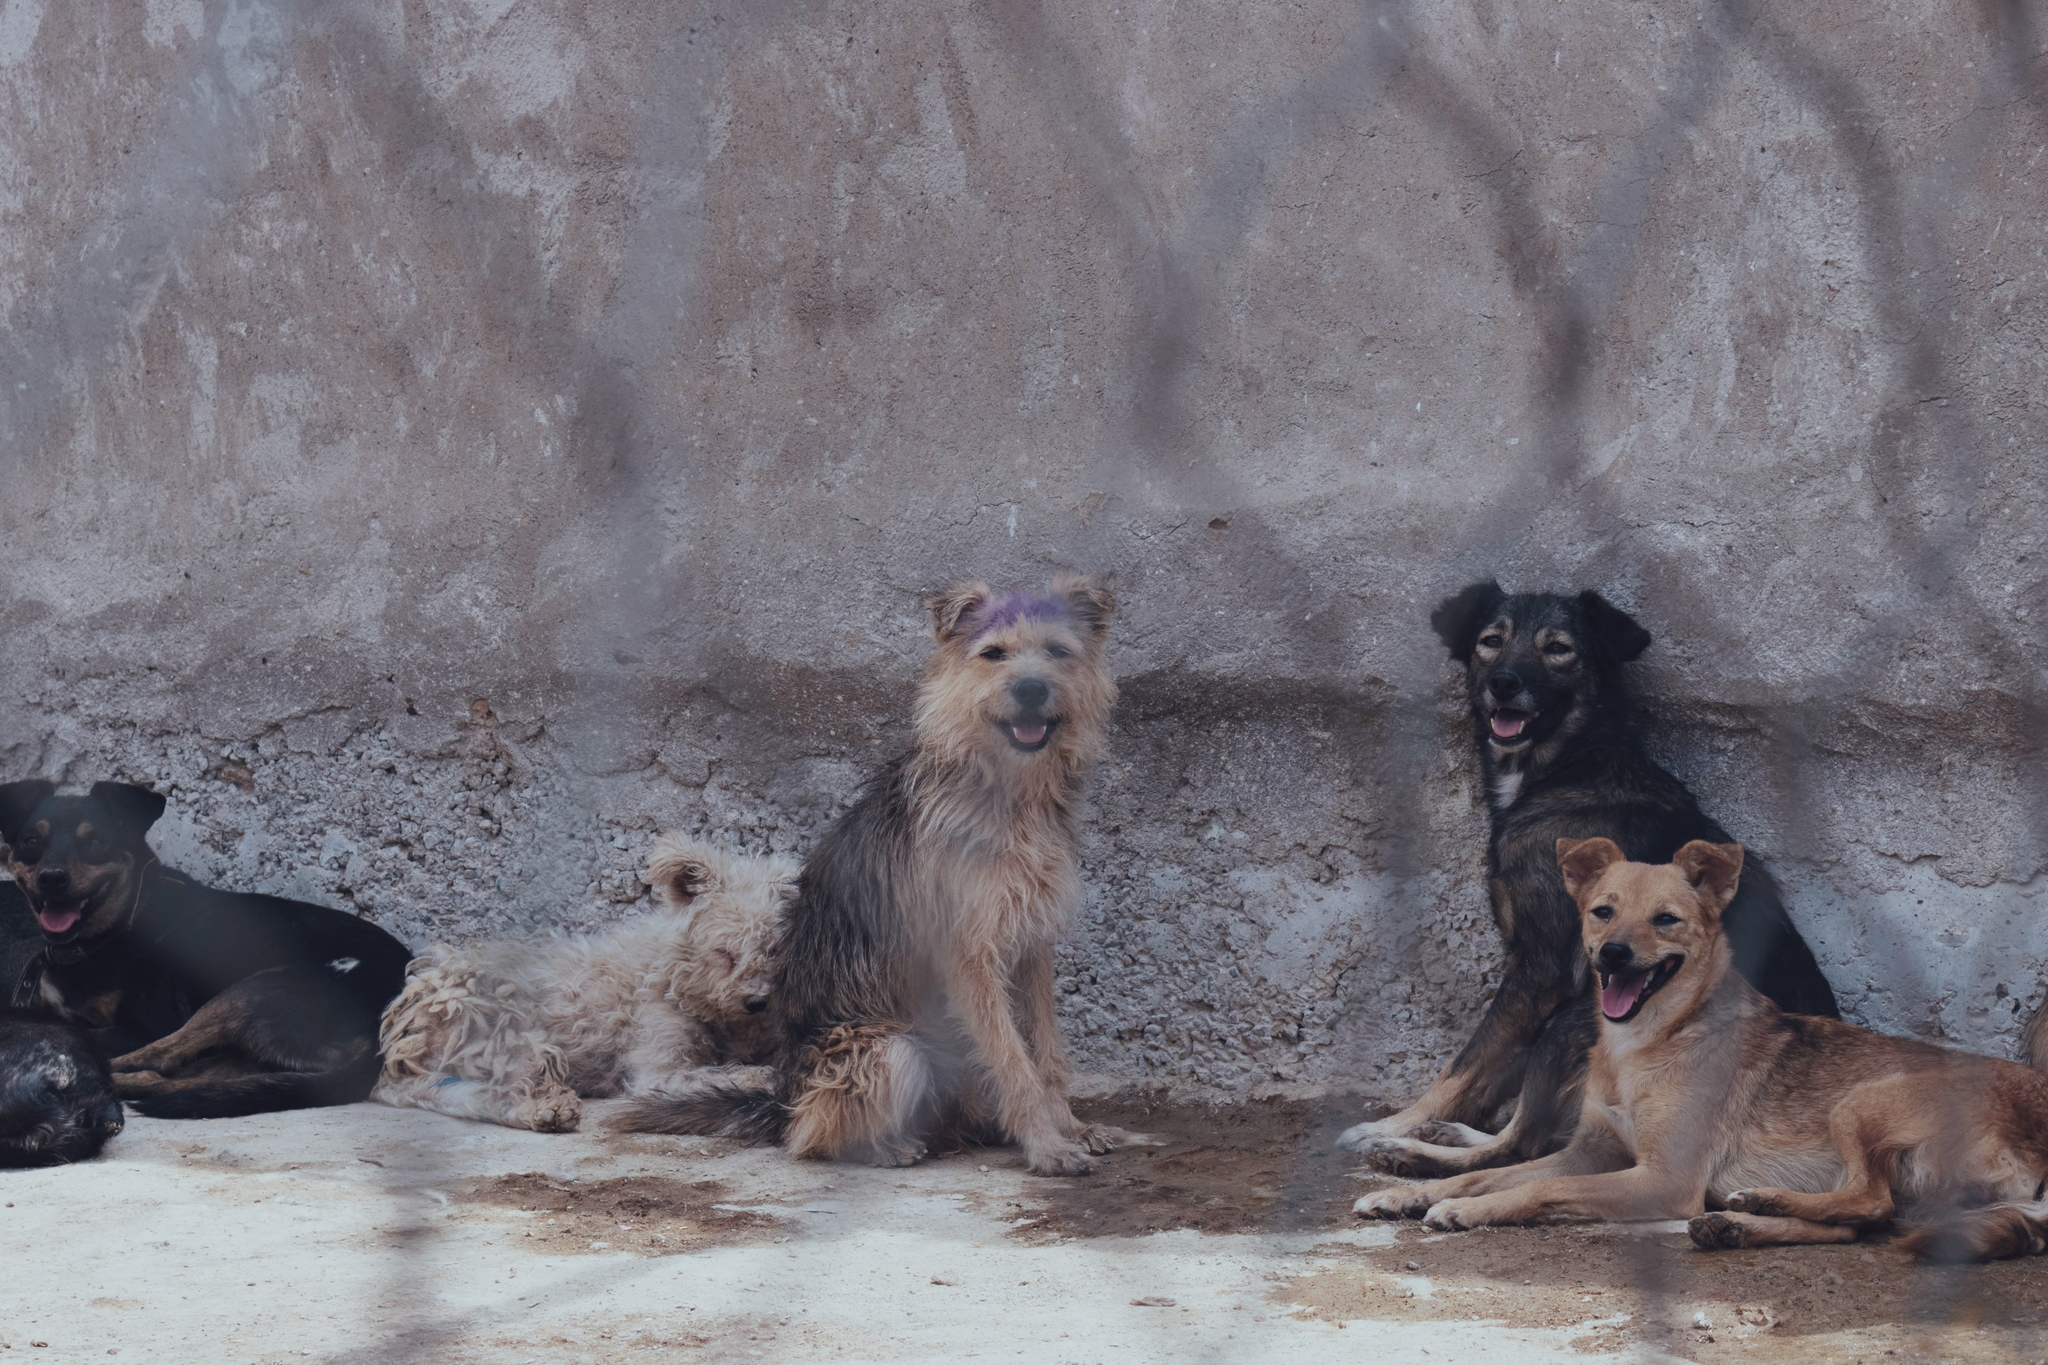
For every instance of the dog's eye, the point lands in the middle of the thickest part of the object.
(1059, 651)
(1556, 649)
(1665, 921)
(28, 851)
(1603, 912)
(1491, 640)
(995, 654)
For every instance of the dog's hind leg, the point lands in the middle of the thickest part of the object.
(284, 1019)
(864, 1098)
(1544, 1116)
(1495, 1060)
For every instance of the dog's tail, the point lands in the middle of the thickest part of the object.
(1991, 1233)
(719, 1106)
(264, 1094)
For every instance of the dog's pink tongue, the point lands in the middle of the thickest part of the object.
(1507, 727)
(1028, 734)
(1619, 995)
(56, 921)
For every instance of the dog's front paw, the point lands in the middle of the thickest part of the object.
(1444, 1133)
(898, 1154)
(1103, 1137)
(1398, 1156)
(1400, 1201)
(1715, 1232)
(1457, 1215)
(1064, 1160)
(1355, 1138)
(1751, 1201)
(552, 1111)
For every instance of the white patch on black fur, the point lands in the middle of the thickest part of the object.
(1507, 785)
(344, 965)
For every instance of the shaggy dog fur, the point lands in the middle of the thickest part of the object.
(1563, 757)
(1703, 1094)
(513, 1033)
(57, 1100)
(915, 981)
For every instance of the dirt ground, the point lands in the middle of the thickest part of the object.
(367, 1234)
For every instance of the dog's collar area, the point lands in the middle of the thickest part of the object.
(1028, 735)
(1623, 994)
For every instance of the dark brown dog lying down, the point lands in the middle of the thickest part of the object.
(1794, 1129)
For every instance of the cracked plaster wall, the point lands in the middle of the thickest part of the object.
(447, 444)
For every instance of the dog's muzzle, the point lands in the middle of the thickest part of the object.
(1625, 984)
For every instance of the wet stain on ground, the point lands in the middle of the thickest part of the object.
(1237, 1168)
(1623, 1289)
(649, 1215)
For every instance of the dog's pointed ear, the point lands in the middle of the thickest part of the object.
(18, 801)
(1617, 639)
(136, 807)
(680, 872)
(954, 609)
(1715, 869)
(1089, 599)
(1583, 860)
(1457, 620)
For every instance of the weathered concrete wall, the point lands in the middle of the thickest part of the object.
(445, 444)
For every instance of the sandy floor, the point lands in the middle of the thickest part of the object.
(371, 1234)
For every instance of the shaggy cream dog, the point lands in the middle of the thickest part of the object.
(514, 1032)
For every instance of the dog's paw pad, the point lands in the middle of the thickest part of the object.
(1714, 1232)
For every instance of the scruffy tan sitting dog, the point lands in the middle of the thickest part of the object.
(514, 1032)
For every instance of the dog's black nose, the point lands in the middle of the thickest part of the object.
(53, 881)
(1031, 693)
(1503, 684)
(1615, 956)
(754, 1004)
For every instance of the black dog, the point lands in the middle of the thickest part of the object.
(1562, 758)
(57, 1100)
(211, 1002)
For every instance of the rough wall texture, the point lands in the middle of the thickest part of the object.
(446, 443)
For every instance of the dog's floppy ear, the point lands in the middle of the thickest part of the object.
(1457, 620)
(1089, 600)
(680, 872)
(18, 801)
(136, 807)
(1617, 639)
(952, 608)
(1715, 869)
(1583, 860)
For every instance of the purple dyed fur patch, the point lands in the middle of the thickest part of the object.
(1005, 612)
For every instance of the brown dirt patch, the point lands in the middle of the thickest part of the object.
(1864, 1302)
(646, 1214)
(1237, 1168)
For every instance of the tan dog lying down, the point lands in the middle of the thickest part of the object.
(514, 1032)
(1702, 1091)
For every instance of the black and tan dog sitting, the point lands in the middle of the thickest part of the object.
(211, 1002)
(1563, 757)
